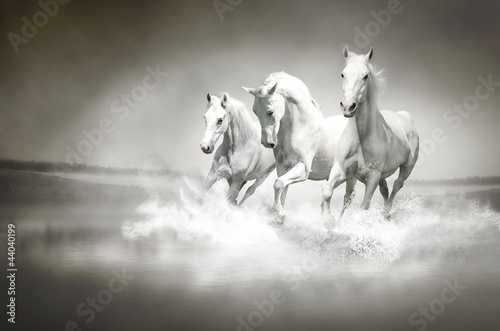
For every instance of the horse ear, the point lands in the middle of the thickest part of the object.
(273, 89)
(223, 102)
(346, 51)
(370, 54)
(209, 97)
(249, 90)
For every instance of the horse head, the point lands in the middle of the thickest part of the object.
(269, 107)
(216, 120)
(355, 78)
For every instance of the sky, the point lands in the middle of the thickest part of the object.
(118, 83)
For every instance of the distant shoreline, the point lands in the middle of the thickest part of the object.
(27, 187)
(62, 167)
(30, 187)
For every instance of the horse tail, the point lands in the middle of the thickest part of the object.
(406, 115)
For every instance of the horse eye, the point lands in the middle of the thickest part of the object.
(219, 122)
(366, 77)
(342, 75)
(270, 112)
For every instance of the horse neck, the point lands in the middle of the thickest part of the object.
(240, 128)
(300, 112)
(367, 117)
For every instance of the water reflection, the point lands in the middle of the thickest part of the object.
(209, 268)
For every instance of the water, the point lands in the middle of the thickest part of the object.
(187, 264)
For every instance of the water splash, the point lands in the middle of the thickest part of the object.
(417, 225)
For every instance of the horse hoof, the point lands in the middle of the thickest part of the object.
(387, 216)
(329, 221)
(279, 219)
(330, 225)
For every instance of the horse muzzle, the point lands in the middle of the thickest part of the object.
(348, 110)
(268, 144)
(206, 149)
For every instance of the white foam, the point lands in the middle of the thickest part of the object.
(365, 235)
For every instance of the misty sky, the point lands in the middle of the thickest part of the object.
(71, 76)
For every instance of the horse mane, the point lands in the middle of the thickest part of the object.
(237, 104)
(294, 81)
(239, 112)
(377, 74)
(378, 79)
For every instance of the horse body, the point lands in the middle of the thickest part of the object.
(386, 151)
(303, 142)
(240, 157)
(310, 144)
(375, 143)
(324, 159)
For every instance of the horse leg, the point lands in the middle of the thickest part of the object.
(384, 190)
(251, 190)
(371, 184)
(283, 196)
(337, 177)
(350, 193)
(404, 173)
(234, 189)
(297, 174)
(254, 186)
(211, 179)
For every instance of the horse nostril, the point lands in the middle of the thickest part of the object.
(353, 106)
(272, 145)
(341, 104)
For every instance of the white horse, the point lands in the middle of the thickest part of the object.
(375, 143)
(303, 141)
(240, 157)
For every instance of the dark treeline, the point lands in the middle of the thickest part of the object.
(62, 167)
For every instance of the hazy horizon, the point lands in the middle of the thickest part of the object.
(71, 76)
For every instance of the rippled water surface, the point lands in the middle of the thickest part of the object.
(192, 264)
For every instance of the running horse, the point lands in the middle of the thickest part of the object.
(240, 158)
(375, 142)
(302, 140)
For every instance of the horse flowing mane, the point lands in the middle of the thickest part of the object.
(292, 81)
(239, 115)
(378, 79)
